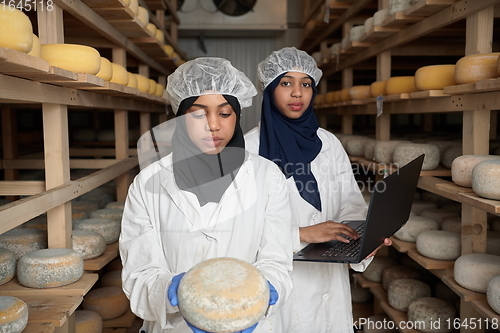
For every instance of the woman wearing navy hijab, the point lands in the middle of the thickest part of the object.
(321, 185)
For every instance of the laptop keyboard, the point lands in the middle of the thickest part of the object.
(346, 249)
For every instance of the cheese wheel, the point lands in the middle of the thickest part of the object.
(486, 179)
(335, 49)
(169, 50)
(77, 214)
(402, 292)
(359, 92)
(160, 89)
(49, 268)
(493, 293)
(151, 29)
(329, 97)
(108, 302)
(142, 83)
(88, 206)
(160, 36)
(106, 71)
(374, 271)
(407, 152)
(432, 314)
(461, 168)
(23, 241)
(143, 16)
(356, 146)
(36, 49)
(476, 67)
(442, 146)
(452, 224)
(413, 227)
(450, 154)
(223, 295)
(112, 279)
(132, 80)
(108, 213)
(13, 314)
(356, 33)
(87, 322)
(152, 87)
(134, 6)
(474, 270)
(344, 95)
(16, 31)
(368, 24)
(7, 265)
(397, 6)
(88, 243)
(418, 206)
(400, 85)
(116, 204)
(392, 273)
(109, 229)
(380, 16)
(120, 74)
(435, 77)
(438, 214)
(369, 149)
(384, 150)
(377, 88)
(346, 41)
(72, 57)
(102, 199)
(439, 244)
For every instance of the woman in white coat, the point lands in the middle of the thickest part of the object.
(321, 185)
(208, 198)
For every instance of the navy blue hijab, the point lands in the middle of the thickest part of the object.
(291, 143)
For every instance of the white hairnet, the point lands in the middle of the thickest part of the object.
(288, 59)
(205, 76)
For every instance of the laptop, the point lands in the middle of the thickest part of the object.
(388, 211)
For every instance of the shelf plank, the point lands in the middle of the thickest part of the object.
(130, 28)
(363, 282)
(379, 292)
(39, 327)
(105, 3)
(402, 246)
(378, 33)
(453, 188)
(399, 317)
(486, 311)
(440, 171)
(428, 7)
(429, 263)
(125, 320)
(151, 46)
(491, 206)
(465, 294)
(53, 309)
(83, 80)
(98, 263)
(432, 184)
(400, 20)
(427, 94)
(355, 47)
(396, 97)
(78, 288)
(156, 4)
(459, 89)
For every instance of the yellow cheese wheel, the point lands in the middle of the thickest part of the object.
(72, 57)
(142, 83)
(126, 2)
(344, 95)
(160, 36)
(36, 49)
(359, 92)
(143, 16)
(87, 322)
(13, 314)
(336, 96)
(7, 265)
(435, 77)
(23, 241)
(329, 97)
(400, 85)
(223, 295)
(112, 279)
(476, 67)
(108, 302)
(320, 99)
(160, 89)
(132, 80)
(134, 6)
(16, 31)
(152, 86)
(120, 74)
(106, 71)
(377, 88)
(49, 268)
(151, 28)
(169, 50)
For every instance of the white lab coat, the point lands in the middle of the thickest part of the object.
(165, 232)
(321, 299)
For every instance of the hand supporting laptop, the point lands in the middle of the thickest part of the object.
(387, 242)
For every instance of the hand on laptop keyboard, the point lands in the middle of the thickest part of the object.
(327, 231)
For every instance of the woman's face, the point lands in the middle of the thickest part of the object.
(210, 123)
(293, 94)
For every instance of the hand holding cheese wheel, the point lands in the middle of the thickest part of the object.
(223, 295)
(16, 31)
(72, 57)
(476, 67)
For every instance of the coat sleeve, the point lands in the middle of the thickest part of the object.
(145, 273)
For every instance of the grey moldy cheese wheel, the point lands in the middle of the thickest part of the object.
(439, 244)
(13, 314)
(100, 197)
(438, 214)
(461, 168)
(108, 302)
(378, 324)
(418, 206)
(109, 229)
(108, 213)
(7, 265)
(414, 226)
(374, 271)
(24, 240)
(39, 222)
(112, 279)
(356, 146)
(452, 224)
(384, 150)
(402, 292)
(370, 149)
(398, 272)
(116, 204)
(442, 146)
(49, 268)
(433, 314)
(486, 179)
(86, 205)
(407, 152)
(87, 322)
(450, 154)
(88, 243)
(223, 295)
(493, 293)
(473, 271)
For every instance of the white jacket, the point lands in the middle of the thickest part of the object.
(321, 298)
(165, 232)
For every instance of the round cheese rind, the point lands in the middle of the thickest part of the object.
(108, 302)
(143, 16)
(384, 150)
(450, 154)
(413, 227)
(108, 213)
(369, 149)
(368, 24)
(474, 270)
(486, 179)
(13, 314)
(16, 31)
(152, 87)
(476, 67)
(392, 273)
(134, 6)
(493, 293)
(380, 16)
(452, 224)
(377, 88)
(36, 49)
(402, 292)
(87, 322)
(151, 28)
(169, 50)
(23, 241)
(142, 83)
(223, 295)
(89, 244)
(132, 80)
(356, 146)
(116, 204)
(344, 95)
(397, 6)
(435, 77)
(431, 312)
(106, 71)
(120, 74)
(49, 268)
(407, 152)
(72, 57)
(112, 279)
(439, 244)
(109, 229)
(461, 168)
(439, 214)
(356, 33)
(400, 85)
(160, 89)
(160, 36)
(360, 92)
(7, 265)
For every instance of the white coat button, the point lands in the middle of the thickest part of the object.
(326, 297)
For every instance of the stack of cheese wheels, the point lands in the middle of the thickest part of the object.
(359, 92)
(109, 229)
(37, 46)
(49, 268)
(486, 179)
(14, 314)
(7, 265)
(223, 295)
(108, 302)
(461, 168)
(439, 244)
(407, 152)
(108, 213)
(475, 270)
(476, 67)
(377, 88)
(435, 77)
(16, 31)
(88, 243)
(106, 70)
(120, 74)
(432, 314)
(493, 293)
(77, 214)
(23, 241)
(87, 322)
(72, 57)
(384, 150)
(400, 85)
(413, 227)
(392, 273)
(402, 292)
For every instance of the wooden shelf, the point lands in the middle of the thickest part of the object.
(399, 317)
(402, 246)
(429, 263)
(124, 320)
(476, 87)
(491, 206)
(426, 8)
(465, 294)
(427, 94)
(53, 309)
(400, 20)
(96, 264)
(39, 328)
(360, 279)
(486, 311)
(377, 34)
(114, 330)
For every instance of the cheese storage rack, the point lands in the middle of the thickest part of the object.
(29, 82)
(474, 101)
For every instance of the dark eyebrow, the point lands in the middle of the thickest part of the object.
(205, 106)
(291, 77)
